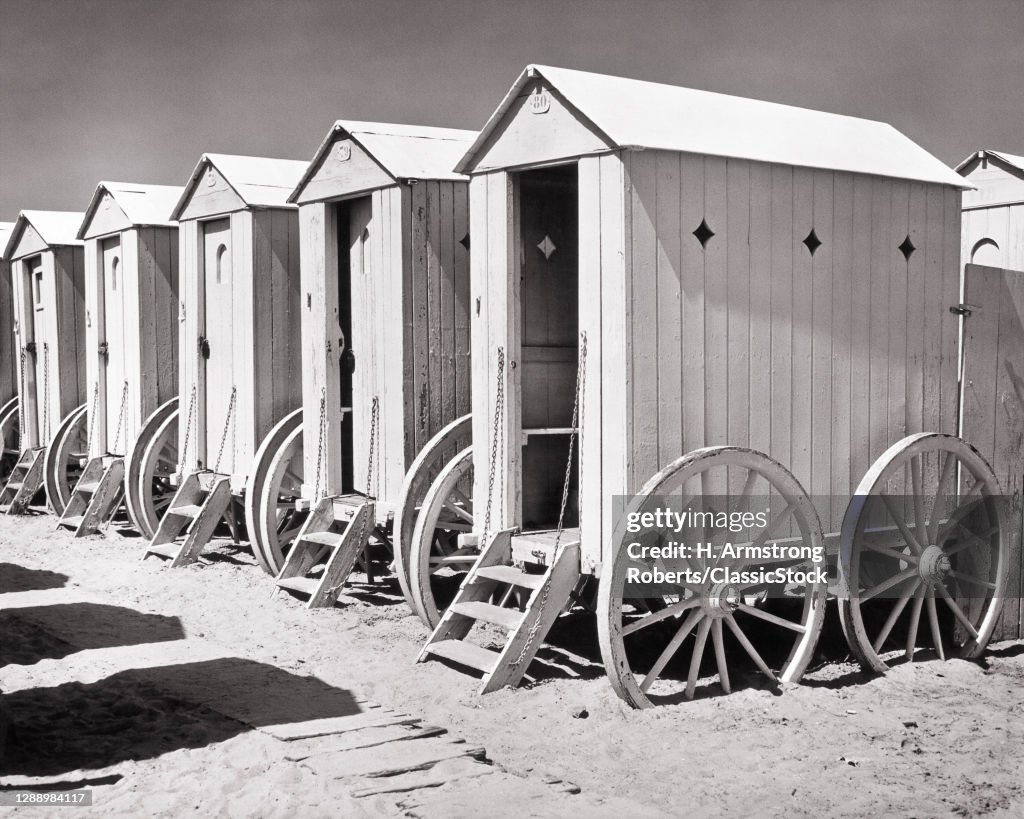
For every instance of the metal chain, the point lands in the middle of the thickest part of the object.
(374, 411)
(92, 418)
(577, 414)
(188, 425)
(499, 414)
(359, 543)
(581, 375)
(224, 434)
(22, 403)
(46, 394)
(120, 418)
(320, 443)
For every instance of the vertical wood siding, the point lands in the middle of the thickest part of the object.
(8, 348)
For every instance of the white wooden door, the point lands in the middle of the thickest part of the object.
(219, 372)
(33, 333)
(112, 365)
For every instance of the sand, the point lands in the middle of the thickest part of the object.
(157, 689)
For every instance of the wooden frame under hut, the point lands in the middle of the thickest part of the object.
(384, 226)
(131, 339)
(48, 283)
(239, 360)
(690, 295)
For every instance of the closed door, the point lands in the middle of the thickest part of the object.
(219, 364)
(112, 359)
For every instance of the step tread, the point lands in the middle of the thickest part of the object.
(72, 522)
(348, 505)
(186, 510)
(15, 485)
(507, 618)
(332, 539)
(303, 585)
(168, 550)
(512, 576)
(88, 488)
(468, 654)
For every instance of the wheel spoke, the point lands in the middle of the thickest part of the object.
(458, 511)
(723, 668)
(947, 469)
(671, 649)
(889, 552)
(771, 618)
(698, 655)
(976, 581)
(957, 611)
(901, 524)
(885, 585)
(966, 544)
(669, 611)
(915, 620)
(749, 648)
(933, 618)
(894, 615)
(915, 477)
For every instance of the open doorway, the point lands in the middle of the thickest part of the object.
(548, 222)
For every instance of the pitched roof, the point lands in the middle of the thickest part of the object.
(1010, 159)
(6, 229)
(55, 227)
(142, 204)
(404, 151)
(257, 180)
(633, 113)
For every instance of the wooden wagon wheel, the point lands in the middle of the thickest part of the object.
(276, 483)
(9, 438)
(64, 454)
(642, 629)
(149, 464)
(925, 535)
(437, 564)
(418, 480)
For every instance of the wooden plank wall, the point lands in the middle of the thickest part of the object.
(993, 405)
(191, 324)
(24, 335)
(274, 387)
(9, 348)
(94, 304)
(1004, 224)
(158, 317)
(66, 332)
(821, 360)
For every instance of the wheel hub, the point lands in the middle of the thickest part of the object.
(934, 565)
(720, 599)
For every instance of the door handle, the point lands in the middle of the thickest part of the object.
(204, 347)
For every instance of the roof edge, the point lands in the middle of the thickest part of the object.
(321, 153)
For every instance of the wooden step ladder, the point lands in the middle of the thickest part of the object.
(96, 497)
(197, 507)
(493, 571)
(336, 531)
(26, 479)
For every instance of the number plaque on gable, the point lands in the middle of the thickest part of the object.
(343, 152)
(539, 102)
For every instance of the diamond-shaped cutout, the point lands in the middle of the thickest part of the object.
(812, 241)
(703, 233)
(907, 248)
(547, 247)
(464, 241)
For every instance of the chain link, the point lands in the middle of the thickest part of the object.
(46, 394)
(120, 418)
(322, 435)
(374, 412)
(23, 400)
(224, 434)
(188, 426)
(577, 426)
(92, 418)
(499, 414)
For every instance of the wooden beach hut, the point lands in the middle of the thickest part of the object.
(679, 289)
(8, 363)
(239, 360)
(48, 285)
(131, 336)
(993, 212)
(384, 224)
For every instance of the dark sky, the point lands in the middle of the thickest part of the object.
(136, 90)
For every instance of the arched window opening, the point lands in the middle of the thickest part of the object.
(986, 252)
(221, 252)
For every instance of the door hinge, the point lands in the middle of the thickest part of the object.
(105, 349)
(204, 347)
